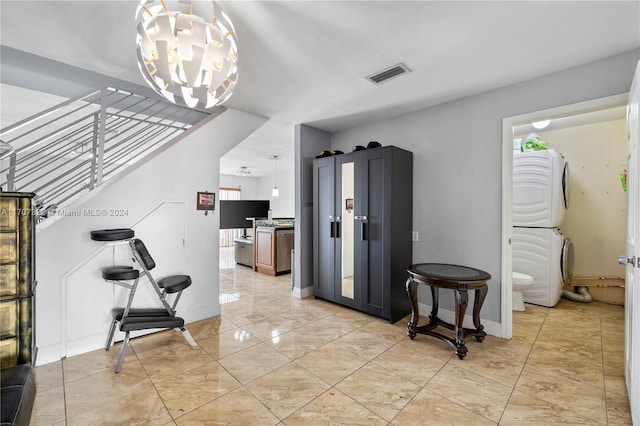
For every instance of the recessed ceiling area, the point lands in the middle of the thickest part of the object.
(256, 153)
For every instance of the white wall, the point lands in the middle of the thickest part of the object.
(281, 206)
(457, 150)
(260, 189)
(248, 186)
(597, 215)
(175, 175)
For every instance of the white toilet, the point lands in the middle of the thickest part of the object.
(520, 283)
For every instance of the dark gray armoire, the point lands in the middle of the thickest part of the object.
(362, 218)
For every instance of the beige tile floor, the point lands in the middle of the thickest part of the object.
(271, 359)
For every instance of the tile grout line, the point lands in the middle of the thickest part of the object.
(279, 297)
(341, 380)
(425, 385)
(64, 391)
(293, 361)
(546, 315)
(604, 378)
(164, 404)
(243, 385)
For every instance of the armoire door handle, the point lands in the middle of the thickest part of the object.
(363, 226)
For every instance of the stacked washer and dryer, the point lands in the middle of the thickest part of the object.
(539, 249)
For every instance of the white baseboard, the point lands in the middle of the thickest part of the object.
(53, 353)
(47, 354)
(86, 343)
(490, 327)
(302, 293)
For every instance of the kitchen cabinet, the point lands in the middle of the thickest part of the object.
(362, 245)
(273, 247)
(17, 279)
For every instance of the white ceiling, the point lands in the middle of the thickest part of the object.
(306, 61)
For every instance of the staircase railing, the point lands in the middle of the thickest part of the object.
(66, 151)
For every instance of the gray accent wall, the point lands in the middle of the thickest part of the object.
(457, 146)
(309, 141)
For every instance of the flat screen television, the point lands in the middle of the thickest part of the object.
(233, 213)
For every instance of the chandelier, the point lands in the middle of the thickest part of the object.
(243, 171)
(187, 51)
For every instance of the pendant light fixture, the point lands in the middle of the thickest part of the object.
(187, 51)
(275, 192)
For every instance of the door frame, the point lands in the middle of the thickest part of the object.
(508, 124)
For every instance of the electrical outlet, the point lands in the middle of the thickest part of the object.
(415, 236)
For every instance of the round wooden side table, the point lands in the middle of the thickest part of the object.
(458, 278)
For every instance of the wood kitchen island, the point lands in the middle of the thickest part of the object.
(273, 243)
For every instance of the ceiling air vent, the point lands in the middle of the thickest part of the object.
(388, 74)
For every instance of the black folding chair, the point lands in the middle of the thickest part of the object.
(133, 319)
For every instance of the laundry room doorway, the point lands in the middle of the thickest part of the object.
(585, 134)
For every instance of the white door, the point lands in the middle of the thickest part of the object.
(632, 296)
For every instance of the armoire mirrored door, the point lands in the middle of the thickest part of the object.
(344, 207)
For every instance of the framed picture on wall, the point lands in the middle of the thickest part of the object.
(206, 201)
(348, 204)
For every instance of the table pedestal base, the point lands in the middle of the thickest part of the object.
(460, 333)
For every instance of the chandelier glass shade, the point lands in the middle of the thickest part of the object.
(187, 51)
